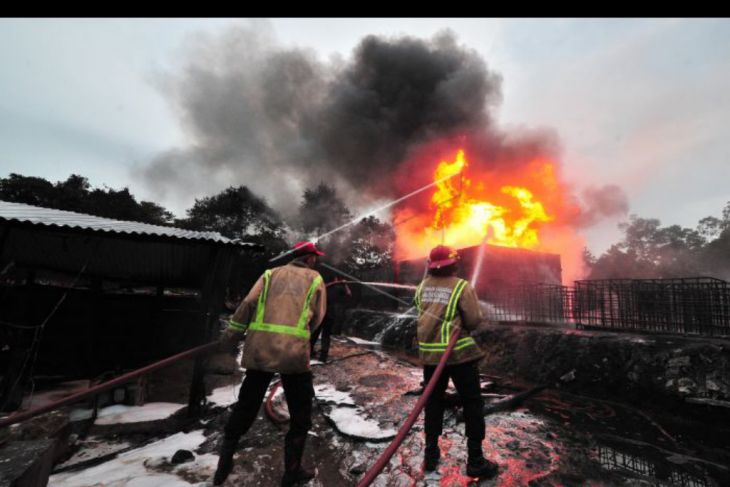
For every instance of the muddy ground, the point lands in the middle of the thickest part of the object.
(554, 438)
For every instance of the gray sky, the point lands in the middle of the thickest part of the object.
(639, 103)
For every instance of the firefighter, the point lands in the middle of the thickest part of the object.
(446, 303)
(336, 298)
(277, 317)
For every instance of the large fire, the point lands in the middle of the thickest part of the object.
(464, 212)
(526, 206)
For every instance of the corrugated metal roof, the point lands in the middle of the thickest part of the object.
(37, 215)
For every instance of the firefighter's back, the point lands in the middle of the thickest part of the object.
(278, 337)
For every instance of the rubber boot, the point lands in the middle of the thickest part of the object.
(294, 472)
(431, 454)
(225, 461)
(477, 465)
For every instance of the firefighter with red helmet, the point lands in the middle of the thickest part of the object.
(447, 304)
(277, 317)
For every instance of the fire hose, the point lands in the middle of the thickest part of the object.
(275, 417)
(385, 457)
(105, 386)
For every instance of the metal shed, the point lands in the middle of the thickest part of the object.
(84, 294)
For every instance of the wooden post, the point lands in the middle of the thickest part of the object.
(212, 298)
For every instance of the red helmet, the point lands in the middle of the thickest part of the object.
(442, 256)
(305, 248)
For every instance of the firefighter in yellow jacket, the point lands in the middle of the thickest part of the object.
(446, 303)
(277, 316)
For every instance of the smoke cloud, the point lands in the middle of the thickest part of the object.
(602, 202)
(279, 119)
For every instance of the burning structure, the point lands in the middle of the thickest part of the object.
(500, 267)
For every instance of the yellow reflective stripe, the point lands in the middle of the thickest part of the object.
(235, 325)
(261, 305)
(464, 342)
(300, 329)
(417, 298)
(451, 311)
(447, 314)
(454, 308)
(304, 315)
(284, 329)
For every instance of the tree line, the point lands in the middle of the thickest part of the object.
(236, 213)
(649, 250)
(646, 249)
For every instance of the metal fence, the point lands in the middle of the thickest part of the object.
(531, 303)
(689, 306)
(658, 472)
(699, 306)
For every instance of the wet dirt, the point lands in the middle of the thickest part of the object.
(552, 439)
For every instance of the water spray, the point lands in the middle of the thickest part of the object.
(367, 214)
(480, 257)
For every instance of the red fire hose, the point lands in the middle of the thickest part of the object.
(384, 457)
(269, 407)
(18, 417)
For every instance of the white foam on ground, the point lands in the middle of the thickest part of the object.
(327, 393)
(128, 469)
(348, 418)
(224, 396)
(360, 341)
(153, 411)
(94, 448)
(351, 422)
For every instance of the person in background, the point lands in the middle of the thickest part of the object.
(337, 296)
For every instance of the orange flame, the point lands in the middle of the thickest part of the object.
(464, 211)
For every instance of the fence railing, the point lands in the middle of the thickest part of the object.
(688, 306)
(697, 306)
(534, 303)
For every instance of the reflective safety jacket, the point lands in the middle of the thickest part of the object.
(445, 303)
(284, 306)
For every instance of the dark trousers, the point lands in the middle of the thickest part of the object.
(299, 393)
(326, 330)
(466, 380)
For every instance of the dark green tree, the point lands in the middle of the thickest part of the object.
(75, 194)
(237, 213)
(649, 250)
(322, 210)
(28, 189)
